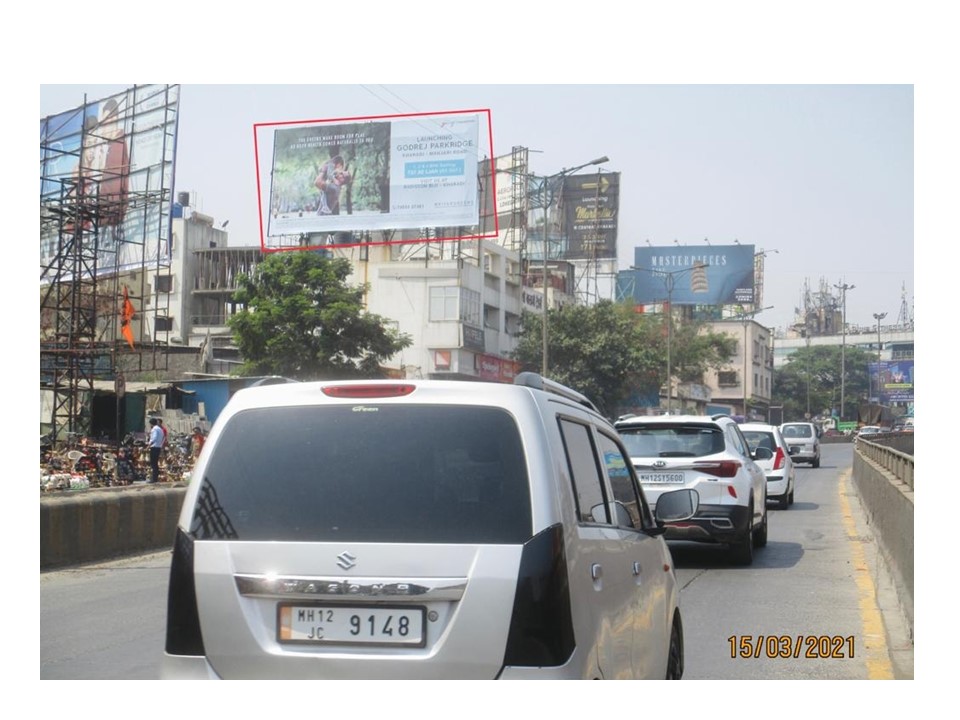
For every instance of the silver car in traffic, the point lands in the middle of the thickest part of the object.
(420, 530)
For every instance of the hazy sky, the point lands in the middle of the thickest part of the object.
(821, 174)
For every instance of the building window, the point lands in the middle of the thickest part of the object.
(727, 378)
(470, 307)
(443, 303)
(450, 302)
(164, 324)
(164, 283)
(512, 323)
(491, 317)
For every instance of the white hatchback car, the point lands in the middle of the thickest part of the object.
(777, 464)
(413, 529)
(710, 455)
(803, 439)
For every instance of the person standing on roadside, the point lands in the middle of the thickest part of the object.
(196, 442)
(156, 445)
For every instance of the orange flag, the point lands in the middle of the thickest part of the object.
(128, 313)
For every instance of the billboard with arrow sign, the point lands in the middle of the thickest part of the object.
(591, 206)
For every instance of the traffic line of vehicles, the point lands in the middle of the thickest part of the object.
(427, 529)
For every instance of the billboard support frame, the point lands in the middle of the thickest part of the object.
(80, 280)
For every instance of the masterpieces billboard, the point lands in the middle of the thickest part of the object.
(375, 173)
(708, 275)
(106, 169)
(591, 205)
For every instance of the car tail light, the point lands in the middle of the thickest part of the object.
(720, 468)
(183, 618)
(778, 459)
(368, 391)
(541, 627)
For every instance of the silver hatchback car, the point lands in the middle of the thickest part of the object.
(803, 439)
(422, 530)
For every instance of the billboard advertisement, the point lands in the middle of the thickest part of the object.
(590, 206)
(895, 380)
(504, 199)
(106, 173)
(377, 173)
(512, 186)
(708, 275)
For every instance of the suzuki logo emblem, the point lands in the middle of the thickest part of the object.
(659, 464)
(346, 560)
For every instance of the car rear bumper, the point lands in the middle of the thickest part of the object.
(776, 486)
(186, 667)
(805, 453)
(712, 523)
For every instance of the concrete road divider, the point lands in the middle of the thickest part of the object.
(104, 523)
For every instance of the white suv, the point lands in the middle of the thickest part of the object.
(416, 529)
(710, 455)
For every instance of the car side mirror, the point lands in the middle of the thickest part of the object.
(762, 453)
(677, 505)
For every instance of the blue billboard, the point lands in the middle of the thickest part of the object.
(710, 275)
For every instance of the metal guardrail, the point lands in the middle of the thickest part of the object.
(897, 462)
(883, 475)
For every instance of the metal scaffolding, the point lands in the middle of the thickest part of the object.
(100, 235)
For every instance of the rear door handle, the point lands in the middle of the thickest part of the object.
(596, 571)
(636, 568)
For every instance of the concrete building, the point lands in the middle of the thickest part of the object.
(745, 386)
(460, 302)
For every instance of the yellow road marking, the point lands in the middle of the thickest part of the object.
(874, 642)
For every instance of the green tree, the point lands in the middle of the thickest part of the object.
(608, 352)
(695, 348)
(302, 320)
(814, 373)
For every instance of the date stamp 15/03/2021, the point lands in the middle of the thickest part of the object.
(819, 647)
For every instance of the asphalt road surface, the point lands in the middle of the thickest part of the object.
(814, 604)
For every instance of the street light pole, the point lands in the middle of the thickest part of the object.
(547, 201)
(669, 315)
(743, 317)
(668, 278)
(878, 317)
(843, 342)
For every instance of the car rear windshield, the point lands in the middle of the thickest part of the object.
(797, 431)
(672, 440)
(367, 473)
(760, 439)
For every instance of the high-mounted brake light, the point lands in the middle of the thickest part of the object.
(368, 391)
(720, 468)
(778, 460)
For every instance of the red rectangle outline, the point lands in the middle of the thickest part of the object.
(493, 176)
